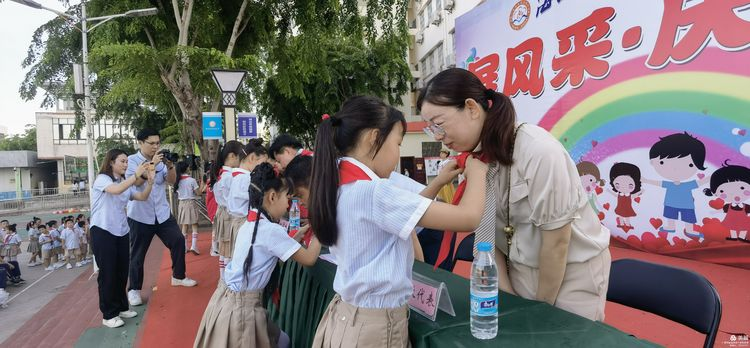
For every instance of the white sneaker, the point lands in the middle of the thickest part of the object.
(128, 314)
(134, 298)
(32, 264)
(113, 323)
(68, 266)
(78, 264)
(50, 268)
(4, 295)
(214, 253)
(184, 282)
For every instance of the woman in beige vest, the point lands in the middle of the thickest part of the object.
(558, 251)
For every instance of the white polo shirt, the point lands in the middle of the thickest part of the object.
(108, 211)
(71, 239)
(239, 197)
(221, 187)
(186, 188)
(374, 251)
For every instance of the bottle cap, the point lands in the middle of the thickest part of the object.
(484, 246)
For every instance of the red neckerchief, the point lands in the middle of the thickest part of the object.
(350, 172)
(445, 245)
(234, 174)
(306, 152)
(252, 216)
(184, 176)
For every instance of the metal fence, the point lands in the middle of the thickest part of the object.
(43, 202)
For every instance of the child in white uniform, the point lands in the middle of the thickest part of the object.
(228, 158)
(369, 222)
(49, 259)
(235, 316)
(72, 242)
(188, 190)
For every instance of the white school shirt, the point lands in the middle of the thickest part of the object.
(221, 187)
(55, 234)
(374, 251)
(186, 188)
(71, 239)
(108, 211)
(272, 243)
(239, 197)
(33, 233)
(12, 239)
(44, 238)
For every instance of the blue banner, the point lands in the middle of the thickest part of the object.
(212, 126)
(247, 125)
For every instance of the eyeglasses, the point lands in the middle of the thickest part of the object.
(153, 143)
(433, 130)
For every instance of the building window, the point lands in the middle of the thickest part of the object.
(438, 5)
(64, 132)
(439, 56)
(429, 11)
(425, 19)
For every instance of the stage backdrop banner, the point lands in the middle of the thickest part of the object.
(652, 101)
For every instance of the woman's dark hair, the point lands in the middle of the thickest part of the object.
(727, 173)
(255, 146)
(263, 179)
(232, 146)
(454, 86)
(108, 159)
(280, 142)
(298, 171)
(627, 169)
(337, 135)
(182, 168)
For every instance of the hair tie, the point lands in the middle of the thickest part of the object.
(325, 117)
(489, 93)
(256, 187)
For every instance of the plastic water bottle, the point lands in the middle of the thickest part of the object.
(484, 291)
(294, 218)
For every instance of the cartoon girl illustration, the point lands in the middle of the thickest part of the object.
(592, 183)
(732, 184)
(625, 179)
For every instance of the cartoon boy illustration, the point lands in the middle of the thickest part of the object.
(678, 158)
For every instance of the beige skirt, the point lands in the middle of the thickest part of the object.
(236, 319)
(347, 326)
(187, 212)
(226, 246)
(583, 290)
(221, 224)
(33, 246)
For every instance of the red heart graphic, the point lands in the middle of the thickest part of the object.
(606, 206)
(655, 222)
(601, 215)
(599, 190)
(701, 175)
(742, 132)
(594, 143)
(637, 199)
(717, 204)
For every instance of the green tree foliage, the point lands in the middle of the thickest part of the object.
(26, 141)
(304, 57)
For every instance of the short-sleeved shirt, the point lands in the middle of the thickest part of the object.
(679, 196)
(374, 251)
(186, 188)
(43, 238)
(545, 194)
(12, 239)
(156, 208)
(239, 196)
(271, 244)
(33, 233)
(72, 241)
(55, 238)
(108, 211)
(221, 187)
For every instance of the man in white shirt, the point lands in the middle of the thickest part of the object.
(153, 217)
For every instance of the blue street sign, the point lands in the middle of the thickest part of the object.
(247, 125)
(212, 128)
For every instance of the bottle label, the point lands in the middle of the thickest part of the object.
(484, 304)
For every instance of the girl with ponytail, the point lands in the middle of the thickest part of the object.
(557, 245)
(235, 316)
(221, 173)
(368, 221)
(188, 190)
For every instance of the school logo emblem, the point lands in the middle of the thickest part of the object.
(519, 15)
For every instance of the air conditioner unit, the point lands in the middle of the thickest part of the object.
(449, 5)
(420, 37)
(437, 18)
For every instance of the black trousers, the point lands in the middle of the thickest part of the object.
(112, 258)
(140, 240)
(16, 271)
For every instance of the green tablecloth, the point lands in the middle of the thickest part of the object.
(306, 292)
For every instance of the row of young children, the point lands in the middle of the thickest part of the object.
(358, 206)
(54, 246)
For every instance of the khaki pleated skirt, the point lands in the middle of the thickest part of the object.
(221, 226)
(236, 319)
(226, 246)
(187, 213)
(33, 246)
(347, 326)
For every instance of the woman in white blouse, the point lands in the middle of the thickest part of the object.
(558, 251)
(109, 232)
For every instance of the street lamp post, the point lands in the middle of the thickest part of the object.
(229, 82)
(86, 84)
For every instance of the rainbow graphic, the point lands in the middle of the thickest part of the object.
(635, 105)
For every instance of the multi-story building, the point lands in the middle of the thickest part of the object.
(58, 139)
(431, 29)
